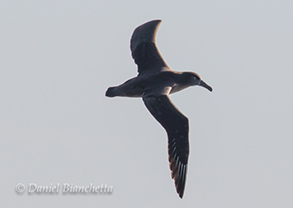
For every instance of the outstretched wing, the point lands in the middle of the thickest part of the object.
(176, 126)
(144, 49)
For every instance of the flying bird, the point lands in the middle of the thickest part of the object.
(154, 82)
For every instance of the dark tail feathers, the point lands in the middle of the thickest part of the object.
(111, 92)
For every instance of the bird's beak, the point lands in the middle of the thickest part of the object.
(203, 84)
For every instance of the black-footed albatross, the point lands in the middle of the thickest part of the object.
(154, 82)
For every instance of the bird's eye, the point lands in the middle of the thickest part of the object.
(196, 76)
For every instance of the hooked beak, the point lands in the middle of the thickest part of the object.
(203, 84)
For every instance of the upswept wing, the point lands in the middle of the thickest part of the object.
(144, 49)
(176, 126)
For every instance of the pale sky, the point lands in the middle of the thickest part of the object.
(56, 125)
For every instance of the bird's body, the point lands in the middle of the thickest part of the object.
(154, 83)
(137, 86)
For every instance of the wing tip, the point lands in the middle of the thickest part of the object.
(144, 32)
(180, 187)
(178, 173)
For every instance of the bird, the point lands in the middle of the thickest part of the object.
(154, 83)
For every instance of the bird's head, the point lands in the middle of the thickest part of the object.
(194, 79)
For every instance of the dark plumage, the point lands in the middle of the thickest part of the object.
(154, 83)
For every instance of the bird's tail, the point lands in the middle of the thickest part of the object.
(111, 92)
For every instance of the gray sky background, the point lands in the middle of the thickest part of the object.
(56, 125)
